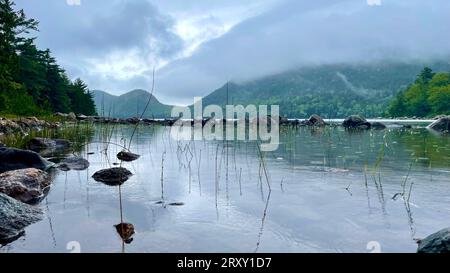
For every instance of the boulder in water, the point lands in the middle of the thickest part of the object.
(127, 156)
(438, 242)
(377, 125)
(133, 120)
(316, 120)
(441, 125)
(14, 217)
(113, 176)
(26, 185)
(13, 159)
(37, 144)
(357, 122)
(73, 163)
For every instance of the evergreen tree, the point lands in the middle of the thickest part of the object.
(427, 97)
(31, 81)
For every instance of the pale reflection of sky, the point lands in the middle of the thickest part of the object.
(319, 200)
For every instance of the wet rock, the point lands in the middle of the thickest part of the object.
(23, 125)
(82, 117)
(407, 126)
(125, 231)
(377, 125)
(63, 167)
(73, 163)
(316, 120)
(61, 115)
(283, 120)
(176, 204)
(438, 242)
(356, 121)
(38, 144)
(127, 156)
(113, 176)
(26, 185)
(305, 123)
(9, 127)
(14, 159)
(72, 116)
(133, 120)
(14, 217)
(441, 125)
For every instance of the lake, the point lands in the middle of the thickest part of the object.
(323, 190)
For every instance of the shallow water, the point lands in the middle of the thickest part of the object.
(328, 190)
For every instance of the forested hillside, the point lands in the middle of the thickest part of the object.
(333, 91)
(427, 97)
(130, 104)
(31, 81)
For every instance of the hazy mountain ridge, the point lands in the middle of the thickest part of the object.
(330, 90)
(333, 91)
(130, 104)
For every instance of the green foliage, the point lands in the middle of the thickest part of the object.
(332, 91)
(428, 96)
(31, 81)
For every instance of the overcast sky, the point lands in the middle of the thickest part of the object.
(197, 45)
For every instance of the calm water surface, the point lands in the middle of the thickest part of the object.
(329, 190)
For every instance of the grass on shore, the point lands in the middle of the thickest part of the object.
(77, 133)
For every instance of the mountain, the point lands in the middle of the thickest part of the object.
(332, 91)
(130, 104)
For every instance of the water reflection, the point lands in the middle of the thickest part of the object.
(323, 190)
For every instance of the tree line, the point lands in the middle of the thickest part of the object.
(31, 81)
(428, 96)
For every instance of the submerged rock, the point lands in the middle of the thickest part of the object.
(316, 120)
(13, 159)
(14, 217)
(113, 176)
(377, 125)
(38, 144)
(127, 156)
(73, 163)
(356, 121)
(441, 125)
(125, 231)
(25, 185)
(438, 242)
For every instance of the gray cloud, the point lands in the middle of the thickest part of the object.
(298, 33)
(89, 33)
(289, 34)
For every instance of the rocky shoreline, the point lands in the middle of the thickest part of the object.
(24, 125)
